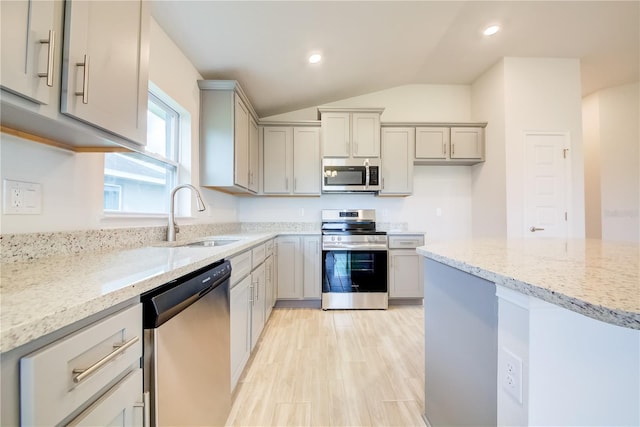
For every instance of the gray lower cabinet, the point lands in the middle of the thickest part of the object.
(405, 266)
(68, 376)
(299, 267)
(240, 326)
(250, 303)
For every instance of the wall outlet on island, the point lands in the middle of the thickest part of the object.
(511, 374)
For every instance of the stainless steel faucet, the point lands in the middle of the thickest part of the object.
(173, 229)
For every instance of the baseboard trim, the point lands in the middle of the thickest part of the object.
(298, 303)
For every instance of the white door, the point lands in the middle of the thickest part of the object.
(546, 184)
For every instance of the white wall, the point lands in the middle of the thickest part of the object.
(444, 187)
(489, 178)
(72, 183)
(542, 94)
(612, 177)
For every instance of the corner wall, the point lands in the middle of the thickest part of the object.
(612, 163)
(489, 178)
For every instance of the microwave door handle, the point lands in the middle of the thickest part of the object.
(366, 174)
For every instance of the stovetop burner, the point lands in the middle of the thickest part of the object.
(349, 222)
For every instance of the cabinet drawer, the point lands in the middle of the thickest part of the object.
(50, 390)
(269, 247)
(258, 255)
(240, 267)
(123, 402)
(406, 241)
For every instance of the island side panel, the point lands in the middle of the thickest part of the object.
(576, 370)
(461, 337)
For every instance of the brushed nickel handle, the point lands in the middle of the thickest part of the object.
(286, 184)
(453, 149)
(85, 80)
(251, 300)
(444, 149)
(383, 183)
(534, 229)
(81, 374)
(295, 184)
(51, 41)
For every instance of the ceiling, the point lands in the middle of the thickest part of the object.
(374, 45)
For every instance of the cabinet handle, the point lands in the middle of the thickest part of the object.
(251, 293)
(286, 184)
(295, 184)
(444, 149)
(51, 41)
(257, 288)
(453, 149)
(383, 183)
(82, 374)
(250, 177)
(85, 80)
(534, 229)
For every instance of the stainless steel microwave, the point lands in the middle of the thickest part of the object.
(350, 175)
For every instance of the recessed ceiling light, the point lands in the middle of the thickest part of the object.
(315, 58)
(489, 31)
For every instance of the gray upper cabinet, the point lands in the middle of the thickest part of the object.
(291, 160)
(453, 145)
(31, 37)
(228, 138)
(397, 161)
(350, 132)
(105, 65)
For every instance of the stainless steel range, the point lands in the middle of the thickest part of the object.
(354, 260)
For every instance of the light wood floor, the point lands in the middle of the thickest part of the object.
(335, 368)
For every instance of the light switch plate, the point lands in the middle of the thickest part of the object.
(22, 197)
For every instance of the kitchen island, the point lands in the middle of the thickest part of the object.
(532, 332)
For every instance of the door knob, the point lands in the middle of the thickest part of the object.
(534, 229)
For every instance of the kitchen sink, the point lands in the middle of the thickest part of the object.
(209, 243)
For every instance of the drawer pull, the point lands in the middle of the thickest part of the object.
(81, 374)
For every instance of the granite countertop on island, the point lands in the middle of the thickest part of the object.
(599, 279)
(44, 295)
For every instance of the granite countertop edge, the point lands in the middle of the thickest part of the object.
(19, 327)
(609, 315)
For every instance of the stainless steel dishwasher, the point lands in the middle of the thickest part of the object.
(186, 349)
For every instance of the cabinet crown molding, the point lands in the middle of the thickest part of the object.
(349, 110)
(229, 85)
(434, 124)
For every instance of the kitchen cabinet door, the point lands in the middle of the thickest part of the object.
(336, 134)
(405, 277)
(105, 66)
(240, 328)
(278, 157)
(312, 267)
(306, 161)
(31, 39)
(365, 135)
(258, 304)
(467, 143)
(269, 291)
(432, 143)
(254, 158)
(289, 267)
(397, 161)
(241, 143)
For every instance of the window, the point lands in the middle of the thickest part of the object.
(141, 183)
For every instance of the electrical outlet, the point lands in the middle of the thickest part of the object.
(511, 374)
(22, 197)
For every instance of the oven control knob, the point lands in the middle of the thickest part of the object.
(333, 238)
(339, 239)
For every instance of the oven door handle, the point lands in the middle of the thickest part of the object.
(354, 247)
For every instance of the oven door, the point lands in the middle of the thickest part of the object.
(349, 271)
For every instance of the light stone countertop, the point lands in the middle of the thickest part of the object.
(41, 296)
(596, 278)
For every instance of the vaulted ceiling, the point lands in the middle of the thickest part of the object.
(374, 45)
